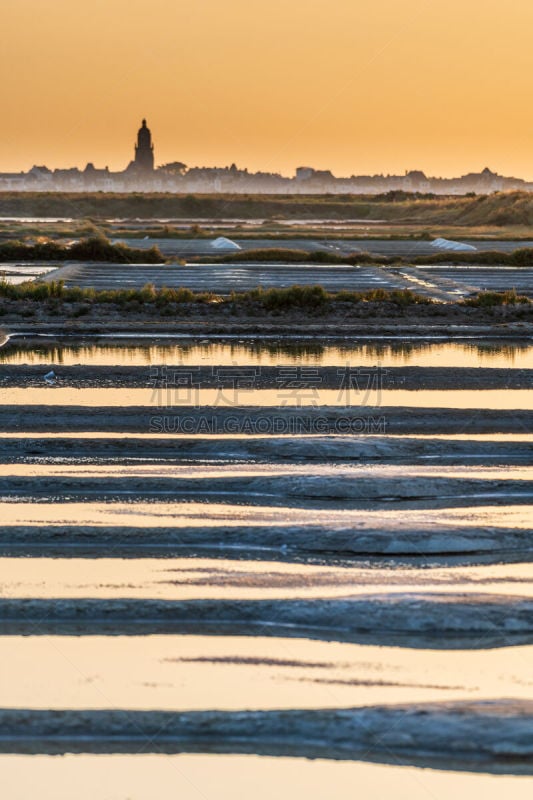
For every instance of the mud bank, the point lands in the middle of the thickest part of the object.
(261, 420)
(429, 620)
(382, 449)
(281, 542)
(364, 320)
(491, 736)
(351, 490)
(266, 377)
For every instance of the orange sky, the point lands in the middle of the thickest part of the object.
(356, 86)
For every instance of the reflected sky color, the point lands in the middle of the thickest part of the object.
(242, 353)
(200, 777)
(510, 399)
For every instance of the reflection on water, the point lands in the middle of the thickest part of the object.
(307, 399)
(199, 515)
(206, 777)
(268, 353)
(236, 672)
(224, 437)
(322, 470)
(192, 578)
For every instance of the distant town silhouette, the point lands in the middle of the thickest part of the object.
(141, 175)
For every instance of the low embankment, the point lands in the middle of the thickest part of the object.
(444, 621)
(475, 736)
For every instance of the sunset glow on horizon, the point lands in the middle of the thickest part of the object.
(355, 86)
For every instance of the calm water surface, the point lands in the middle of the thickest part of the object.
(270, 353)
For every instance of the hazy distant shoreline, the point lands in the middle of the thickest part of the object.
(501, 209)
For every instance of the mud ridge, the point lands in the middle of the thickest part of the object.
(490, 736)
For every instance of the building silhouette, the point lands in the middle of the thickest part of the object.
(141, 175)
(144, 150)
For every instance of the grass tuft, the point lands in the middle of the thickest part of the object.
(492, 299)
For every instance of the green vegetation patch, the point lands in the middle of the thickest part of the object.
(95, 248)
(57, 290)
(491, 299)
(305, 298)
(293, 297)
(287, 255)
(523, 257)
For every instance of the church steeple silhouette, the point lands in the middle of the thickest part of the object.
(144, 149)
